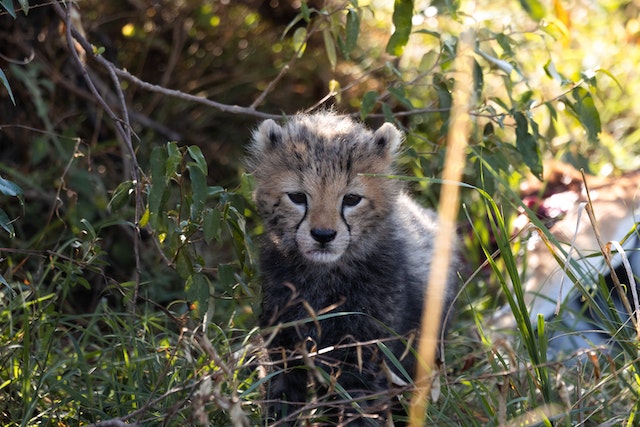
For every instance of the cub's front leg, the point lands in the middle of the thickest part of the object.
(286, 395)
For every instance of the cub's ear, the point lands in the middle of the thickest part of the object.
(267, 137)
(387, 139)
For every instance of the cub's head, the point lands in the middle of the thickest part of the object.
(310, 191)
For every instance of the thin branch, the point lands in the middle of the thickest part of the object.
(72, 34)
(272, 84)
(122, 125)
(226, 108)
(297, 54)
(234, 109)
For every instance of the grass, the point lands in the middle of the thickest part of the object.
(146, 367)
(585, 388)
(164, 362)
(152, 366)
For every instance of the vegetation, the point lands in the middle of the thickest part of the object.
(128, 281)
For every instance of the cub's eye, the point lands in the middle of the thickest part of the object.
(298, 198)
(351, 200)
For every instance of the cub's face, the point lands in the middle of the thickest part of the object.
(310, 191)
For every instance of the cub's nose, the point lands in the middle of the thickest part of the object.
(323, 235)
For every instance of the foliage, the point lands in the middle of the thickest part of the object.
(9, 188)
(127, 275)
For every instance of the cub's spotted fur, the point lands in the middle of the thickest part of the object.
(344, 259)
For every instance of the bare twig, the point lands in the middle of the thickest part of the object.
(226, 108)
(122, 124)
(61, 186)
(75, 35)
(272, 84)
(179, 39)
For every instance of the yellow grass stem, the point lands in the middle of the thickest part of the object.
(459, 129)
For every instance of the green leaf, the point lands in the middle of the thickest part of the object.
(608, 73)
(8, 5)
(121, 196)
(300, 41)
(173, 160)
(505, 43)
(402, 15)
(527, 145)
(4, 282)
(306, 12)
(534, 8)
(129, 291)
(25, 6)
(478, 80)
(503, 65)
(444, 97)
(197, 156)
(449, 49)
(79, 280)
(368, 103)
(197, 291)
(587, 113)
(292, 24)
(184, 264)
(211, 225)
(389, 65)
(89, 228)
(9, 188)
(330, 47)
(215, 190)
(157, 195)
(247, 185)
(551, 71)
(393, 359)
(525, 100)
(334, 88)
(158, 161)
(352, 30)
(144, 219)
(430, 33)
(499, 101)
(542, 338)
(5, 82)
(388, 114)
(429, 61)
(226, 276)
(5, 223)
(552, 110)
(399, 94)
(199, 189)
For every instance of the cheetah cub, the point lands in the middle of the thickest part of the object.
(344, 260)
